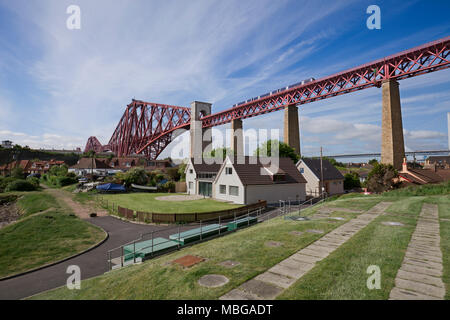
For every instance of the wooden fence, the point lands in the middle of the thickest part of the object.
(149, 217)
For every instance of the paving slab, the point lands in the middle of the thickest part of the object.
(421, 270)
(420, 287)
(276, 279)
(305, 258)
(314, 253)
(295, 273)
(402, 294)
(418, 277)
(213, 280)
(262, 289)
(237, 294)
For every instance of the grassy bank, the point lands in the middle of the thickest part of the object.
(156, 279)
(147, 202)
(41, 238)
(343, 274)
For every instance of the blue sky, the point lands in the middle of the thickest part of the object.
(60, 86)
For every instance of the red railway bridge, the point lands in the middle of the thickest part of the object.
(147, 128)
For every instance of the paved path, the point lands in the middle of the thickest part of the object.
(420, 276)
(273, 282)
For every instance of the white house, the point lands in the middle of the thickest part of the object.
(200, 177)
(88, 165)
(248, 182)
(333, 180)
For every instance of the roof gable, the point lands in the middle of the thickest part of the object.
(329, 171)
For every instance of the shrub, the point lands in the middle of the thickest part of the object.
(4, 183)
(169, 186)
(381, 178)
(20, 185)
(34, 181)
(17, 173)
(65, 181)
(351, 181)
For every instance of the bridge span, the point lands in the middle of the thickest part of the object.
(147, 128)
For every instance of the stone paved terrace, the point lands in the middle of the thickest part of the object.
(273, 282)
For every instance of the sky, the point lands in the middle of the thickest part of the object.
(60, 86)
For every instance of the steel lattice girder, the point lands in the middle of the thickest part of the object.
(148, 127)
(93, 145)
(143, 122)
(420, 60)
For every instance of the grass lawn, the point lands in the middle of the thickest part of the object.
(34, 202)
(146, 202)
(356, 202)
(343, 274)
(39, 239)
(156, 280)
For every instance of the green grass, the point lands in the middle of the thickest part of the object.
(146, 202)
(340, 276)
(43, 238)
(359, 202)
(155, 279)
(424, 190)
(34, 202)
(343, 274)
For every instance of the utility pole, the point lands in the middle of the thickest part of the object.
(321, 172)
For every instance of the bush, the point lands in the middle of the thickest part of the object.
(169, 186)
(351, 181)
(65, 181)
(381, 178)
(34, 181)
(4, 182)
(20, 185)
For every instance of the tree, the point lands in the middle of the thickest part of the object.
(17, 173)
(373, 162)
(219, 152)
(173, 174)
(381, 178)
(334, 162)
(284, 150)
(351, 181)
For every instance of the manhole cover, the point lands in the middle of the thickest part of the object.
(213, 280)
(229, 264)
(273, 244)
(315, 231)
(302, 219)
(395, 224)
(337, 218)
(296, 233)
(188, 261)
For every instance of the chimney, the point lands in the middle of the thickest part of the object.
(405, 165)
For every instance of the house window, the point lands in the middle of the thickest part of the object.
(223, 189)
(191, 171)
(191, 186)
(302, 170)
(234, 191)
(228, 171)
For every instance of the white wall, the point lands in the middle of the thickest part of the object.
(191, 177)
(312, 182)
(274, 192)
(335, 187)
(228, 180)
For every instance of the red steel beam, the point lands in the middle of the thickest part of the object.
(148, 127)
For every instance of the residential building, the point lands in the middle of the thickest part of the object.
(86, 166)
(7, 144)
(248, 182)
(30, 166)
(418, 176)
(442, 162)
(161, 165)
(333, 180)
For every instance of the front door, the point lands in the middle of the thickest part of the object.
(205, 189)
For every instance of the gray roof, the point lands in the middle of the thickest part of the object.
(329, 171)
(206, 168)
(250, 172)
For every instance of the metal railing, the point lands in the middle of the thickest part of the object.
(118, 257)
